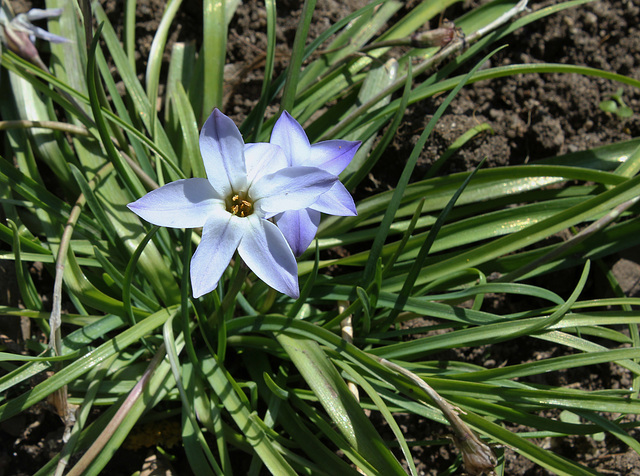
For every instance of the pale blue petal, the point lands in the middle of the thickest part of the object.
(299, 227)
(290, 135)
(45, 35)
(220, 238)
(337, 201)
(39, 14)
(332, 155)
(222, 150)
(291, 188)
(262, 159)
(23, 22)
(264, 249)
(181, 204)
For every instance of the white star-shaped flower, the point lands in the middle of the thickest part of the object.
(246, 185)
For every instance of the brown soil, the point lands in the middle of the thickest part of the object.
(532, 117)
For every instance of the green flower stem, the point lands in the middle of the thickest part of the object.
(237, 281)
(268, 301)
(226, 309)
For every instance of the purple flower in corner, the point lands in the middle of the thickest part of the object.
(19, 34)
(246, 185)
(300, 226)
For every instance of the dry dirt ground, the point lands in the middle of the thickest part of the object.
(532, 116)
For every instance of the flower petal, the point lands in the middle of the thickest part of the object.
(184, 203)
(222, 150)
(220, 238)
(23, 22)
(262, 159)
(39, 14)
(290, 135)
(45, 35)
(265, 250)
(337, 201)
(291, 188)
(332, 155)
(299, 227)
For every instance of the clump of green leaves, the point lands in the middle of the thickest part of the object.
(259, 381)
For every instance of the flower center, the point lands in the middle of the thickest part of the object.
(238, 205)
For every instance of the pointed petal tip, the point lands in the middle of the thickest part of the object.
(353, 213)
(220, 238)
(222, 151)
(199, 286)
(291, 289)
(134, 206)
(198, 292)
(299, 228)
(295, 294)
(333, 155)
(265, 251)
(289, 134)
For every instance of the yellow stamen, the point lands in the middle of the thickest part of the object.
(239, 206)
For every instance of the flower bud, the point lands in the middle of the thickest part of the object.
(439, 37)
(477, 457)
(19, 34)
(18, 41)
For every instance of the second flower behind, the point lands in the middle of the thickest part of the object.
(299, 226)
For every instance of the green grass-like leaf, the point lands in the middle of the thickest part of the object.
(259, 380)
